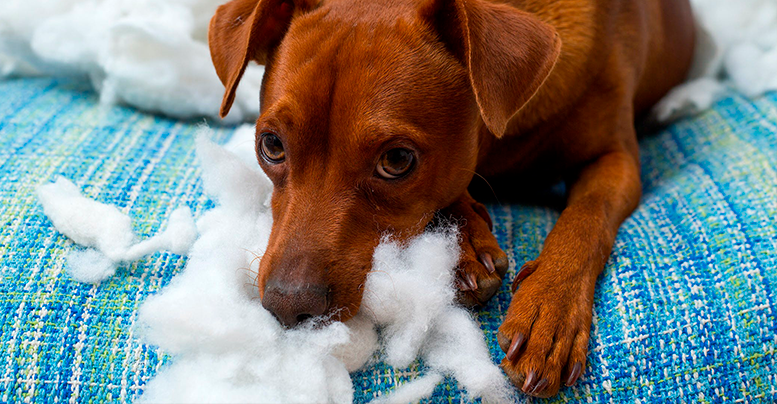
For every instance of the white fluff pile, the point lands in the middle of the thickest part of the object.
(228, 348)
(151, 54)
(736, 47)
(108, 231)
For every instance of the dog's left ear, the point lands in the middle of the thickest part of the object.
(508, 52)
(245, 30)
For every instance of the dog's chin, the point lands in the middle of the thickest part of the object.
(317, 322)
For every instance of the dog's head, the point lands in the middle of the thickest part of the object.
(372, 113)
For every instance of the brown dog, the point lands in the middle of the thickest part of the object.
(376, 114)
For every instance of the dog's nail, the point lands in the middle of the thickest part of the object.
(540, 386)
(512, 353)
(467, 282)
(574, 374)
(462, 283)
(526, 270)
(528, 385)
(485, 258)
(472, 281)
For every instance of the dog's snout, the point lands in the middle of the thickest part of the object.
(293, 304)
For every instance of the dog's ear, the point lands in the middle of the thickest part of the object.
(509, 53)
(245, 30)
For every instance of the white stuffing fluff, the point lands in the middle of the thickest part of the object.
(407, 298)
(410, 391)
(103, 227)
(87, 222)
(228, 348)
(89, 266)
(151, 54)
(736, 46)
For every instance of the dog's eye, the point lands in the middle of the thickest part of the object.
(395, 163)
(272, 148)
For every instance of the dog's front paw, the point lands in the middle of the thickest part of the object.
(545, 333)
(482, 264)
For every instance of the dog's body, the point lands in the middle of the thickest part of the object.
(377, 114)
(609, 47)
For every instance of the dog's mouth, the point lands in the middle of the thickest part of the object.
(312, 321)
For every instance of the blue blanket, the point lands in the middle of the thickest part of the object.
(684, 311)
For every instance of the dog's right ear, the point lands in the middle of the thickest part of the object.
(508, 52)
(245, 30)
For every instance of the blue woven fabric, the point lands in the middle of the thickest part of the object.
(684, 311)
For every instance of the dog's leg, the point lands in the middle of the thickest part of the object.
(545, 333)
(482, 264)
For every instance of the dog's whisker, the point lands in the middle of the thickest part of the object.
(475, 173)
(247, 270)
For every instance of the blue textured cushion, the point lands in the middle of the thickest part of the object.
(684, 311)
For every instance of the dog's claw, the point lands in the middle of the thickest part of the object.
(472, 281)
(467, 281)
(528, 385)
(515, 346)
(577, 370)
(527, 269)
(463, 284)
(540, 386)
(485, 258)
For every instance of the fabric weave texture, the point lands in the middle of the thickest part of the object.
(684, 310)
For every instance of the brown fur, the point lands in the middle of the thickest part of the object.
(526, 91)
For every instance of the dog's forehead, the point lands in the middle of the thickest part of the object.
(370, 11)
(331, 47)
(347, 74)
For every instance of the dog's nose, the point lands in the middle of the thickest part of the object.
(293, 304)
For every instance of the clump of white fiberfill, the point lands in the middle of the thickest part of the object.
(87, 222)
(411, 391)
(227, 348)
(407, 298)
(89, 266)
(108, 231)
(243, 145)
(151, 54)
(410, 294)
(736, 47)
